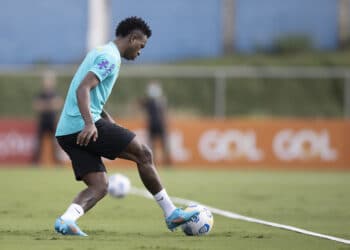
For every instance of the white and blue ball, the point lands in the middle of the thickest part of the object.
(201, 224)
(119, 185)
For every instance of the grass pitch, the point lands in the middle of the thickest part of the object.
(31, 199)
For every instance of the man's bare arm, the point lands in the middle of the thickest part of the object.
(83, 96)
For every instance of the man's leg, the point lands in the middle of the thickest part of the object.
(97, 185)
(165, 147)
(142, 156)
(55, 149)
(152, 143)
(38, 145)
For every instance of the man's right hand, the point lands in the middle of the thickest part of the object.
(89, 132)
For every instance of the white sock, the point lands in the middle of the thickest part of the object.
(74, 211)
(164, 202)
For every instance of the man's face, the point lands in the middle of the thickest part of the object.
(136, 43)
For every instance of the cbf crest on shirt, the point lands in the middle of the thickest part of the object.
(104, 62)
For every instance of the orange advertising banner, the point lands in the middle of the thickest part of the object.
(265, 143)
(227, 143)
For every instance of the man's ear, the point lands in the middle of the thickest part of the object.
(135, 35)
(132, 37)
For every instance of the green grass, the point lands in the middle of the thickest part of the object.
(31, 199)
(327, 59)
(244, 97)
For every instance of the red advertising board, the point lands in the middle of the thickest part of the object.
(16, 141)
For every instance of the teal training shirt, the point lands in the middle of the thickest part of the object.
(104, 62)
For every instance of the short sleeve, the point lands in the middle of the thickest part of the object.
(104, 66)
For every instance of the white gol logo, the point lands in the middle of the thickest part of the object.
(303, 144)
(15, 143)
(215, 145)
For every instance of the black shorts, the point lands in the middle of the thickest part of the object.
(112, 140)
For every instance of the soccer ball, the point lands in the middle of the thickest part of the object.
(119, 185)
(200, 224)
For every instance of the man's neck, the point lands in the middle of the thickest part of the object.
(119, 43)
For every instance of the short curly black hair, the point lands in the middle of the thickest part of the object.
(129, 24)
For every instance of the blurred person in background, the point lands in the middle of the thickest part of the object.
(86, 132)
(46, 104)
(155, 107)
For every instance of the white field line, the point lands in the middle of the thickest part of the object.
(146, 194)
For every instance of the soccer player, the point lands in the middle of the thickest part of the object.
(86, 132)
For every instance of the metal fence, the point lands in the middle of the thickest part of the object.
(219, 74)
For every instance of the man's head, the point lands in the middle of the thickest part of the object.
(154, 89)
(49, 81)
(132, 34)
